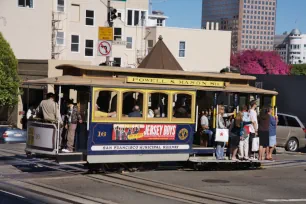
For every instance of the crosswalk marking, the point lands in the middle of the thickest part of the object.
(285, 200)
(285, 163)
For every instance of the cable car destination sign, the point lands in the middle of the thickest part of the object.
(181, 82)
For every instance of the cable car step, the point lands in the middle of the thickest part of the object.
(71, 158)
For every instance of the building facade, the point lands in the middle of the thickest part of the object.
(252, 22)
(195, 49)
(68, 30)
(291, 47)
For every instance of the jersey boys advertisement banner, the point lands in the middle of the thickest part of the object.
(143, 132)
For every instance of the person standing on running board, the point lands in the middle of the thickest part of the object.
(253, 127)
(221, 125)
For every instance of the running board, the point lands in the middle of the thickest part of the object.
(71, 158)
(203, 160)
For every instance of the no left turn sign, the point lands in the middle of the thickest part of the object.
(105, 48)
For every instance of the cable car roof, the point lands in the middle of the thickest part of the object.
(121, 83)
(164, 72)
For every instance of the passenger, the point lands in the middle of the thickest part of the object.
(180, 111)
(221, 125)
(114, 104)
(139, 102)
(237, 134)
(244, 141)
(64, 130)
(205, 128)
(31, 113)
(128, 103)
(150, 113)
(263, 133)
(272, 133)
(102, 103)
(157, 112)
(48, 109)
(136, 112)
(254, 126)
(73, 118)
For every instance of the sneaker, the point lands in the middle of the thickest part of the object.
(246, 158)
(65, 150)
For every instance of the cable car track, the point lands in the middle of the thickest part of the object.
(143, 185)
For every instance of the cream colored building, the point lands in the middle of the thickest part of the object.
(195, 49)
(68, 30)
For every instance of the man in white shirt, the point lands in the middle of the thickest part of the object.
(254, 126)
(206, 130)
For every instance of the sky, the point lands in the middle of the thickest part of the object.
(187, 13)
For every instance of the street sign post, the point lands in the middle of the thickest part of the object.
(105, 48)
(106, 33)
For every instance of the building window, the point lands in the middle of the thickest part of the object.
(117, 34)
(90, 16)
(25, 3)
(129, 42)
(117, 62)
(150, 45)
(143, 18)
(136, 17)
(89, 48)
(60, 38)
(130, 17)
(75, 43)
(119, 15)
(61, 5)
(182, 49)
(160, 22)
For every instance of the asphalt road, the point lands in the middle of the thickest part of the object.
(25, 181)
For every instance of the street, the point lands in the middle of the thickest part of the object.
(42, 181)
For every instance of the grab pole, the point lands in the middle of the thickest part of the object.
(58, 122)
(197, 118)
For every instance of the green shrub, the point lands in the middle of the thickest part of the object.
(9, 79)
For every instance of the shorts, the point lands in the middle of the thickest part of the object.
(263, 138)
(272, 141)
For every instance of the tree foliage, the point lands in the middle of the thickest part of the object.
(259, 62)
(9, 79)
(298, 69)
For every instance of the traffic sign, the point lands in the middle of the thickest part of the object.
(105, 48)
(106, 33)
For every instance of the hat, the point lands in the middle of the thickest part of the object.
(50, 94)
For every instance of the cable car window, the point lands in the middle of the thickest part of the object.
(182, 104)
(157, 105)
(106, 104)
(132, 105)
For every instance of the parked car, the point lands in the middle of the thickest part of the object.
(9, 134)
(290, 132)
